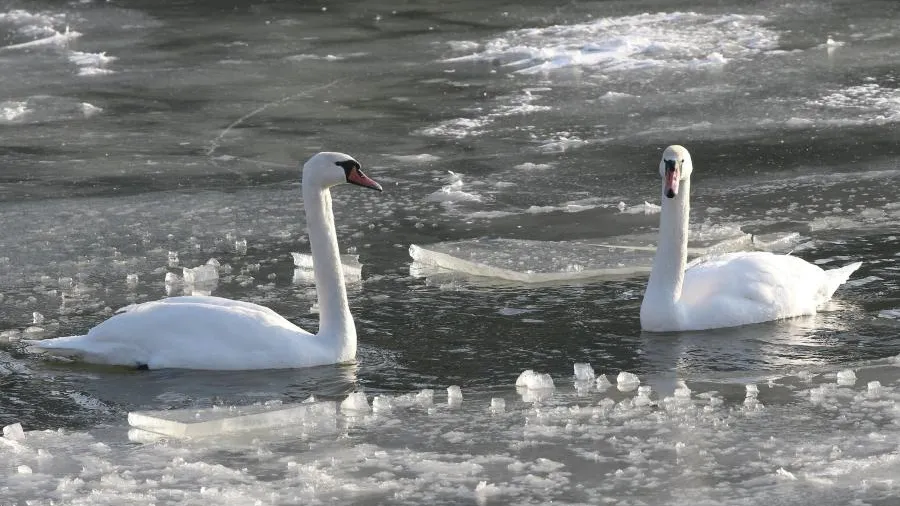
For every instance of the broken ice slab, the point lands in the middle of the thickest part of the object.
(205, 422)
(527, 261)
(350, 263)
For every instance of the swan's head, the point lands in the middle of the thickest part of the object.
(674, 167)
(327, 169)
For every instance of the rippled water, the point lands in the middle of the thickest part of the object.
(131, 131)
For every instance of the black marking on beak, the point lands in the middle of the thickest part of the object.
(355, 175)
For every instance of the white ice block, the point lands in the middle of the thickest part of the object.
(192, 423)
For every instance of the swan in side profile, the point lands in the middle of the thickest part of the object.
(723, 290)
(201, 332)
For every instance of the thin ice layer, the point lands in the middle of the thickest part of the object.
(527, 261)
(213, 421)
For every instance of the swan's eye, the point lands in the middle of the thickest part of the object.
(348, 166)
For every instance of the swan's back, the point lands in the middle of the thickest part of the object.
(751, 287)
(197, 333)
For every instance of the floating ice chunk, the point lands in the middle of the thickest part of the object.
(90, 110)
(452, 192)
(418, 159)
(783, 473)
(23, 469)
(889, 313)
(806, 376)
(846, 378)
(874, 389)
(534, 381)
(382, 404)
(37, 318)
(454, 395)
(203, 274)
(750, 400)
(304, 263)
(355, 403)
(181, 423)
(12, 111)
(484, 491)
(131, 280)
(527, 261)
(602, 383)
(498, 405)
(645, 208)
(173, 259)
(682, 392)
(66, 283)
(240, 246)
(643, 396)
(14, 432)
(626, 381)
(425, 398)
(584, 372)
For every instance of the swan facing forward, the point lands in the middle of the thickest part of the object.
(724, 290)
(200, 332)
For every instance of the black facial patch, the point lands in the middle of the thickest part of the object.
(670, 165)
(348, 166)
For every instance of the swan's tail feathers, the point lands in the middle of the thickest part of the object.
(839, 276)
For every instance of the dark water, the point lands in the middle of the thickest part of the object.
(548, 117)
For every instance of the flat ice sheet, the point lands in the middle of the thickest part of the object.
(205, 422)
(527, 261)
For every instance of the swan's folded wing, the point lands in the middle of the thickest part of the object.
(753, 276)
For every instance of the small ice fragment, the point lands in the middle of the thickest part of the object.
(682, 392)
(643, 396)
(65, 283)
(784, 473)
(90, 109)
(202, 274)
(806, 376)
(14, 432)
(485, 490)
(498, 405)
(627, 381)
(23, 469)
(382, 404)
(534, 381)
(355, 403)
(846, 378)
(37, 318)
(173, 258)
(425, 398)
(131, 280)
(874, 389)
(602, 383)
(240, 246)
(583, 372)
(454, 392)
(750, 400)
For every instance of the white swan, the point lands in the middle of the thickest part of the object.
(724, 290)
(200, 332)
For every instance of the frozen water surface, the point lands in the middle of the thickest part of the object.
(140, 140)
(612, 448)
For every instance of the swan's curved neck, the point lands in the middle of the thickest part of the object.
(335, 321)
(667, 276)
